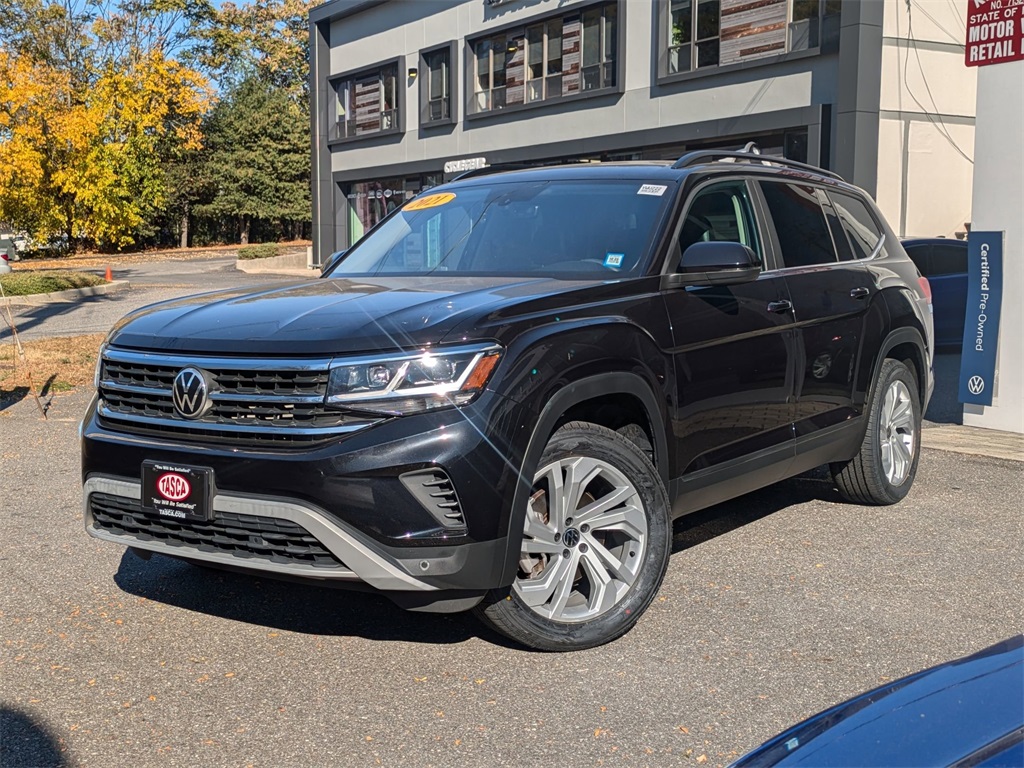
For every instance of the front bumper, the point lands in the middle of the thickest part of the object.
(336, 512)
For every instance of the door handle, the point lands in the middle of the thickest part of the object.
(780, 307)
(860, 293)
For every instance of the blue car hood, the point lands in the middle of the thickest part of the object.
(932, 718)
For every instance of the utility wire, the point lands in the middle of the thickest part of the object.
(934, 120)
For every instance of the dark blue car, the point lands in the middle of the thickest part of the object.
(944, 263)
(968, 712)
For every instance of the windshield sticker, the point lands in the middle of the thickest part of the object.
(652, 189)
(613, 260)
(430, 201)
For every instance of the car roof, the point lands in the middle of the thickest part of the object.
(932, 241)
(751, 165)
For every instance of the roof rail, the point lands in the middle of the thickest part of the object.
(489, 169)
(750, 155)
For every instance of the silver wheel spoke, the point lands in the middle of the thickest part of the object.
(887, 460)
(902, 416)
(536, 592)
(593, 514)
(602, 590)
(607, 561)
(563, 587)
(628, 519)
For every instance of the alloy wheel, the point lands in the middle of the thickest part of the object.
(584, 539)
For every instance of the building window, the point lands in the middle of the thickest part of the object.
(704, 34)
(812, 21)
(544, 61)
(367, 103)
(695, 35)
(599, 47)
(557, 57)
(436, 86)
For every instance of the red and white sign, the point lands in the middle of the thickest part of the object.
(173, 486)
(995, 32)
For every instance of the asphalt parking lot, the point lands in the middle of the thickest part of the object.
(776, 605)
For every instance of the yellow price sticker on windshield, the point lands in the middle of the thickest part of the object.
(430, 201)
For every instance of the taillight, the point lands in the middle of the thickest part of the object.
(926, 288)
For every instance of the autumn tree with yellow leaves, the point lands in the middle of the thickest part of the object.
(92, 105)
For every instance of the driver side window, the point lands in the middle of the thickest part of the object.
(719, 212)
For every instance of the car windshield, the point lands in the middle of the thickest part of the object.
(567, 229)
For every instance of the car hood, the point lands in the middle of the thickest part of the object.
(935, 717)
(327, 316)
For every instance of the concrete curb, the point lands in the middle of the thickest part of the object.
(974, 441)
(285, 264)
(64, 297)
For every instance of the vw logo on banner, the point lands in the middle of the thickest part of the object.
(190, 393)
(981, 325)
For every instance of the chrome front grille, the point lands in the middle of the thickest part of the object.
(253, 401)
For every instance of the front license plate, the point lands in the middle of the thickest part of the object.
(176, 491)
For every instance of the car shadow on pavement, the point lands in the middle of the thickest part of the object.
(27, 318)
(707, 524)
(291, 606)
(26, 742)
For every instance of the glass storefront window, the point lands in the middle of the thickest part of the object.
(370, 201)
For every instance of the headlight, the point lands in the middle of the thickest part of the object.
(411, 383)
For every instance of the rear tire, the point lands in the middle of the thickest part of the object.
(595, 545)
(884, 469)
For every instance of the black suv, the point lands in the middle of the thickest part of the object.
(503, 394)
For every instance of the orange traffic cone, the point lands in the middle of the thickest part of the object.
(109, 277)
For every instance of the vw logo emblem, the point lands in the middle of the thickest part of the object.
(189, 393)
(976, 385)
(571, 538)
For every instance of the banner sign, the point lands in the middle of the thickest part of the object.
(995, 32)
(981, 325)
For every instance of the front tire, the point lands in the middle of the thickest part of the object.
(596, 541)
(884, 469)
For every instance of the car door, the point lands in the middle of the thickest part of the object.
(830, 297)
(733, 346)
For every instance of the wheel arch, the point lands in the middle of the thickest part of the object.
(576, 401)
(908, 346)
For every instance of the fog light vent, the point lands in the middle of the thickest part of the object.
(435, 491)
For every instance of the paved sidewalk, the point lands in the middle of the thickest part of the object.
(974, 441)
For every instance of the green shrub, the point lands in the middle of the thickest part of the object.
(261, 251)
(25, 283)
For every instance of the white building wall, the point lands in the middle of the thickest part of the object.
(926, 119)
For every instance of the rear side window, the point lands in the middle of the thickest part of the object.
(948, 259)
(858, 223)
(799, 224)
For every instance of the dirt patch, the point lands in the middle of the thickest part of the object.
(56, 365)
(113, 260)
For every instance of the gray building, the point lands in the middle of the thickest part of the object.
(408, 93)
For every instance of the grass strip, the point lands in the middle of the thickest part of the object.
(30, 283)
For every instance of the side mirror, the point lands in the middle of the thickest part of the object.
(333, 259)
(717, 263)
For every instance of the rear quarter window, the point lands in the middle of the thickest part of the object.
(860, 226)
(800, 225)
